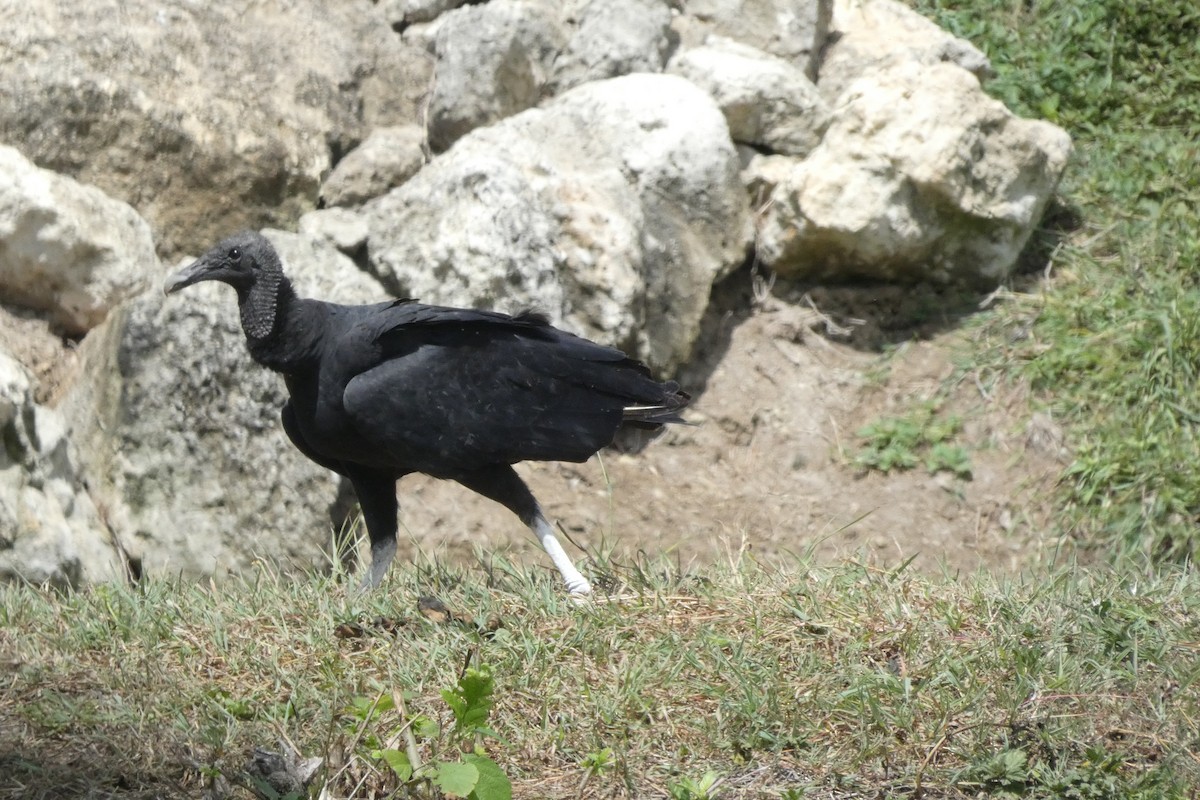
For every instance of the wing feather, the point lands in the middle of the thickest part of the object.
(454, 389)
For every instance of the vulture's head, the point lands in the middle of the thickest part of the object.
(245, 261)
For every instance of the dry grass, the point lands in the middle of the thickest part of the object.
(780, 682)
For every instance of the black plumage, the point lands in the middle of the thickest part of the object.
(384, 390)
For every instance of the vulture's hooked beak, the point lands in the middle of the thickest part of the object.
(197, 271)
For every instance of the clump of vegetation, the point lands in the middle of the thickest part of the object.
(923, 435)
(460, 767)
(706, 787)
(1111, 342)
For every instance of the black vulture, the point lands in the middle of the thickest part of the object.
(380, 391)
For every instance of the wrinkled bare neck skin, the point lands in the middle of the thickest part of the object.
(277, 324)
(259, 305)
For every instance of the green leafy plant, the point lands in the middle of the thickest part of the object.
(903, 442)
(1005, 772)
(891, 443)
(598, 762)
(459, 767)
(944, 457)
(236, 707)
(595, 764)
(1097, 774)
(705, 788)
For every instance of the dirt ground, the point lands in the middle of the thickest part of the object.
(769, 467)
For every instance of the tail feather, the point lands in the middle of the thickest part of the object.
(666, 411)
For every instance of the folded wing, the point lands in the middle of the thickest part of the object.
(453, 389)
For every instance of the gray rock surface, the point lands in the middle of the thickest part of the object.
(611, 38)
(65, 248)
(344, 228)
(492, 61)
(387, 158)
(794, 30)
(179, 430)
(50, 530)
(767, 101)
(191, 112)
(613, 208)
(402, 13)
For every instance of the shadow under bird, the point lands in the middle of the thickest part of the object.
(384, 390)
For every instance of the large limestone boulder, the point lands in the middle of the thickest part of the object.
(205, 117)
(492, 61)
(67, 249)
(613, 208)
(497, 59)
(50, 530)
(344, 228)
(768, 102)
(179, 430)
(388, 157)
(920, 176)
(874, 35)
(611, 38)
(794, 30)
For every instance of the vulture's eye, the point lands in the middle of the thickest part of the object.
(235, 254)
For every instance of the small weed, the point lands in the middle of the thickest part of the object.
(598, 762)
(1097, 775)
(922, 435)
(1005, 772)
(703, 788)
(595, 765)
(460, 767)
(236, 707)
(952, 458)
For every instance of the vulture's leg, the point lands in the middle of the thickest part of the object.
(377, 498)
(376, 494)
(503, 485)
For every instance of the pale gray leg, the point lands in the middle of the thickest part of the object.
(503, 485)
(377, 498)
(576, 583)
(382, 553)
